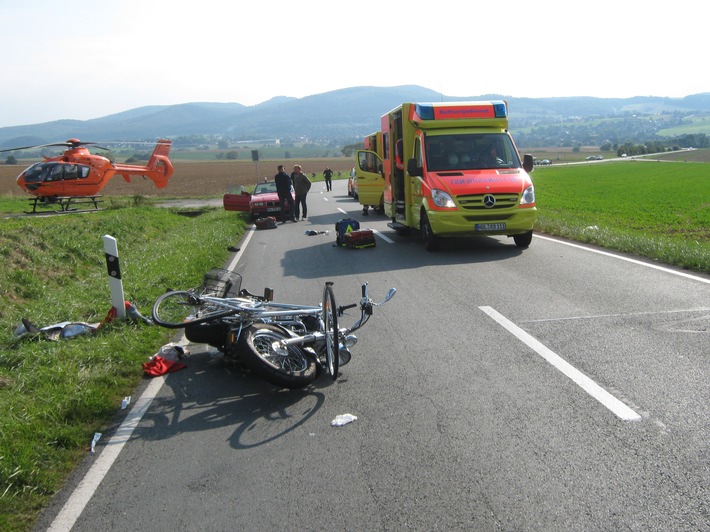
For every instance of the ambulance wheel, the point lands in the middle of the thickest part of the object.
(431, 241)
(523, 241)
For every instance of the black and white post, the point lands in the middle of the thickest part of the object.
(114, 276)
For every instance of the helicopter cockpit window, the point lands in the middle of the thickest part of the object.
(83, 171)
(70, 171)
(35, 173)
(55, 173)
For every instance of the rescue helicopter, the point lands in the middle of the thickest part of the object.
(77, 176)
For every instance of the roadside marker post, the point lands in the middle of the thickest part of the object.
(114, 276)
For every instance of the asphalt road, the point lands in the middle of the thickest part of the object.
(552, 388)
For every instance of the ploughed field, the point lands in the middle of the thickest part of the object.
(196, 179)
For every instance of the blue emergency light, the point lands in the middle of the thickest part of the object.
(500, 109)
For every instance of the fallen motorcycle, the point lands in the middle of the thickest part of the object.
(288, 345)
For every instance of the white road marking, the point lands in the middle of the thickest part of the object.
(238, 254)
(620, 315)
(383, 237)
(621, 410)
(627, 259)
(82, 494)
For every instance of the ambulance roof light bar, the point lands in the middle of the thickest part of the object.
(427, 111)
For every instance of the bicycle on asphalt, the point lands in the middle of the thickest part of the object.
(286, 344)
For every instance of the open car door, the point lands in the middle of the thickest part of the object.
(237, 202)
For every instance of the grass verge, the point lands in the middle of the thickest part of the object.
(55, 395)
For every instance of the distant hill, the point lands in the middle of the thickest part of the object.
(339, 116)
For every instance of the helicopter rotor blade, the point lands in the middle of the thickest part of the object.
(71, 143)
(35, 146)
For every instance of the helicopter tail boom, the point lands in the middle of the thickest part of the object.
(159, 168)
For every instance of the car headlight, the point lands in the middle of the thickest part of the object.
(258, 204)
(442, 199)
(528, 197)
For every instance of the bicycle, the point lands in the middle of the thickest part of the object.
(286, 344)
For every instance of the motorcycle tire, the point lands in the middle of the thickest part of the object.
(290, 367)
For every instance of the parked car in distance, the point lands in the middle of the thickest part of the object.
(352, 184)
(264, 201)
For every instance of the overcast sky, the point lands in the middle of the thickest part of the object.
(82, 60)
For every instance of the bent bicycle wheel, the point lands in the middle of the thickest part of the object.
(260, 349)
(177, 309)
(330, 321)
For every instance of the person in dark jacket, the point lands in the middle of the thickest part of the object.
(301, 186)
(328, 176)
(283, 189)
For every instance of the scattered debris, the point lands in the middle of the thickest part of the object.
(97, 437)
(166, 360)
(132, 312)
(70, 329)
(342, 419)
(312, 232)
(267, 222)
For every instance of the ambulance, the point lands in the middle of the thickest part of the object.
(450, 170)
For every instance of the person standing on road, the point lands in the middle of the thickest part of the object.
(328, 176)
(283, 189)
(301, 186)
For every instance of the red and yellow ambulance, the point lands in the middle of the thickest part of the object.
(450, 169)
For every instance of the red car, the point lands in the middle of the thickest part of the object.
(264, 201)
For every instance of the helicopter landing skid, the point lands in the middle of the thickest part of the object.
(64, 204)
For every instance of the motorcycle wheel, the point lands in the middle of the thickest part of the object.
(330, 322)
(289, 367)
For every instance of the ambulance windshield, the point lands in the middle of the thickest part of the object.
(470, 152)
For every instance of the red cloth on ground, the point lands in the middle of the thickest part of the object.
(160, 366)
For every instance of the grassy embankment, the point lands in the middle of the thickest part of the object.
(55, 395)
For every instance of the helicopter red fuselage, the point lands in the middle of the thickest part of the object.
(79, 173)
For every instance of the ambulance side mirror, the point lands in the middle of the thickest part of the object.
(528, 164)
(413, 169)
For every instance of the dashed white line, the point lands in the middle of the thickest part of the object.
(621, 410)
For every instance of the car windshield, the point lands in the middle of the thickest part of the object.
(265, 188)
(470, 152)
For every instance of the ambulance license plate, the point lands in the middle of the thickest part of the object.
(490, 227)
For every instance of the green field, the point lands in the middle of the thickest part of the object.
(659, 210)
(55, 395)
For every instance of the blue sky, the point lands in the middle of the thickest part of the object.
(83, 60)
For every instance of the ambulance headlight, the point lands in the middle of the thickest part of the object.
(442, 199)
(528, 196)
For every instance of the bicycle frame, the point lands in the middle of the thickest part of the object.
(284, 326)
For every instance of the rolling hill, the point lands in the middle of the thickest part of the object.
(339, 116)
